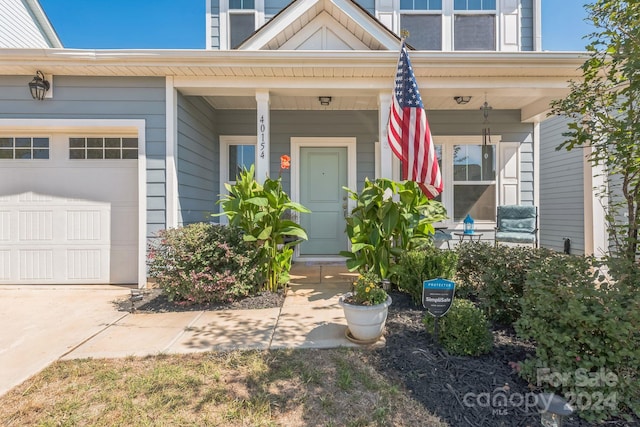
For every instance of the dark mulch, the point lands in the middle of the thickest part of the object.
(154, 301)
(464, 391)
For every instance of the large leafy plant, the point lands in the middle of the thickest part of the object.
(262, 212)
(389, 217)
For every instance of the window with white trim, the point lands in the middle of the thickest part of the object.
(241, 157)
(242, 21)
(474, 25)
(423, 20)
(92, 148)
(237, 153)
(470, 173)
(24, 148)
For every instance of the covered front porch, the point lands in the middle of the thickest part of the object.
(331, 120)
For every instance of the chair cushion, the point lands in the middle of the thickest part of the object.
(523, 225)
(512, 237)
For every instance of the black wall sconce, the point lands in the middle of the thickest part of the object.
(39, 86)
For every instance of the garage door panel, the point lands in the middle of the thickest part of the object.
(87, 264)
(5, 264)
(36, 264)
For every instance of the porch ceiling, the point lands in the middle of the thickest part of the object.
(524, 81)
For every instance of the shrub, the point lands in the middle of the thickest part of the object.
(495, 276)
(585, 325)
(417, 265)
(472, 260)
(464, 330)
(202, 263)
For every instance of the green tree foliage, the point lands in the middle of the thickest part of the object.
(604, 114)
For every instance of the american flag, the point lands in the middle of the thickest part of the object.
(408, 131)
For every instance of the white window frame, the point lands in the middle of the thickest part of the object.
(448, 14)
(225, 142)
(447, 143)
(225, 20)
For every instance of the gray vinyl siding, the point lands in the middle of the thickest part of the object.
(526, 25)
(103, 98)
(198, 165)
(505, 123)
(561, 190)
(214, 42)
(363, 125)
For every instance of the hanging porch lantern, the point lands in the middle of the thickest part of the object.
(469, 226)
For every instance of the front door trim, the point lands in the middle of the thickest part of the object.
(296, 144)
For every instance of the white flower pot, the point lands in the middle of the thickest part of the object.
(365, 322)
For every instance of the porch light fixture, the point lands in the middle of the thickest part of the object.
(324, 100)
(462, 100)
(486, 130)
(39, 86)
(553, 409)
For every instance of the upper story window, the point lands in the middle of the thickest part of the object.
(423, 20)
(26, 148)
(242, 21)
(474, 25)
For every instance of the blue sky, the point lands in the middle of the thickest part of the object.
(180, 24)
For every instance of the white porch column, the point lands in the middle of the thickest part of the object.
(264, 129)
(386, 155)
(171, 114)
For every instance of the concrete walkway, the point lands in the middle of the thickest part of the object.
(41, 324)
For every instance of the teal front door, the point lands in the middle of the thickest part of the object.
(323, 173)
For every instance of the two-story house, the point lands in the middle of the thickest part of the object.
(128, 142)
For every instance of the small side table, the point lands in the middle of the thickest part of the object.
(461, 236)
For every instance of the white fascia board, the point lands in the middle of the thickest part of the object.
(369, 25)
(283, 20)
(43, 22)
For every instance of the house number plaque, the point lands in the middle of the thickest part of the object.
(261, 130)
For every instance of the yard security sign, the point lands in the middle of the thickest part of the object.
(437, 297)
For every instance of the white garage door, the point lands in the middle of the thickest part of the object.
(68, 209)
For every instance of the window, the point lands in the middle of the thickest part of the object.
(26, 148)
(242, 21)
(470, 175)
(420, 4)
(474, 182)
(425, 29)
(241, 156)
(474, 31)
(474, 4)
(103, 148)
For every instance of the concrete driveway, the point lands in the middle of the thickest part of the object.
(40, 324)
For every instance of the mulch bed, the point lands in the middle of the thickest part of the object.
(154, 301)
(463, 391)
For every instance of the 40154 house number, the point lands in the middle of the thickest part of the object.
(261, 130)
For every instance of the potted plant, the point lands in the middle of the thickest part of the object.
(365, 309)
